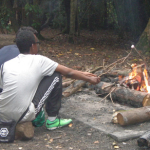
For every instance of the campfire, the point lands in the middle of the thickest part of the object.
(126, 86)
(137, 79)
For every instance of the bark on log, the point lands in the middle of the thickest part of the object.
(144, 140)
(124, 95)
(133, 116)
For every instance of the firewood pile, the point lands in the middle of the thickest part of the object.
(129, 86)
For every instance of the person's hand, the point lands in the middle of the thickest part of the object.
(94, 80)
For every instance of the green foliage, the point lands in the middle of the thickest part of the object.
(59, 19)
(35, 11)
(5, 14)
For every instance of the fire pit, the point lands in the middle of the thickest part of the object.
(132, 89)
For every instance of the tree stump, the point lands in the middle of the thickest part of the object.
(24, 131)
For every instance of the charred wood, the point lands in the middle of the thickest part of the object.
(144, 140)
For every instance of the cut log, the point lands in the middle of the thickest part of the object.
(133, 116)
(144, 140)
(124, 95)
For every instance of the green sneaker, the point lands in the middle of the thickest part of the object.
(40, 119)
(57, 123)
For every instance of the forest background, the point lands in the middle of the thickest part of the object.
(71, 16)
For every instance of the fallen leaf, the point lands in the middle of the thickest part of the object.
(51, 140)
(135, 60)
(89, 134)
(92, 49)
(114, 143)
(116, 147)
(70, 125)
(60, 54)
(76, 54)
(96, 142)
(58, 147)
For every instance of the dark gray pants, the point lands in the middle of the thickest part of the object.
(49, 92)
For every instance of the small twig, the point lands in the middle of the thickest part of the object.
(124, 58)
(103, 63)
(107, 71)
(109, 93)
(115, 63)
(111, 99)
(59, 137)
(108, 86)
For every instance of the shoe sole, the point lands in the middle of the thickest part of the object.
(53, 128)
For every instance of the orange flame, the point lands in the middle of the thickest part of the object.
(145, 75)
(137, 75)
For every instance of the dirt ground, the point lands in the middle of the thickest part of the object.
(91, 49)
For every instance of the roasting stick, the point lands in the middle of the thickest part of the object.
(133, 47)
(115, 63)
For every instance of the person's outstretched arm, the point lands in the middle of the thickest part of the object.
(75, 74)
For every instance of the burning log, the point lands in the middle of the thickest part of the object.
(144, 140)
(133, 116)
(123, 95)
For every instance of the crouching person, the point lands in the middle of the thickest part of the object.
(29, 82)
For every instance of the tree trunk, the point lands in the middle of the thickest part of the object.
(136, 115)
(66, 4)
(73, 6)
(124, 95)
(13, 19)
(144, 41)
